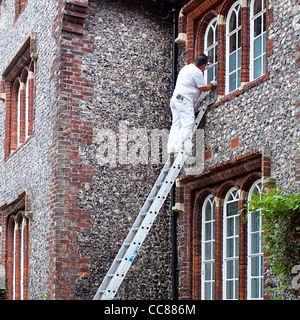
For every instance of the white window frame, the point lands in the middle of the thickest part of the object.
(235, 258)
(23, 225)
(14, 260)
(27, 108)
(213, 46)
(228, 34)
(257, 255)
(19, 116)
(252, 39)
(209, 201)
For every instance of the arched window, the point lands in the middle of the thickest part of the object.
(211, 50)
(255, 243)
(21, 112)
(231, 245)
(208, 249)
(257, 38)
(233, 48)
(18, 236)
(19, 97)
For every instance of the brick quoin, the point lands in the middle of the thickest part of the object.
(69, 131)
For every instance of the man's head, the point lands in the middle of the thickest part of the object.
(201, 60)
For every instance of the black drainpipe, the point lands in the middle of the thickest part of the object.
(173, 213)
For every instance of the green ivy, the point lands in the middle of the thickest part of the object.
(2, 294)
(281, 227)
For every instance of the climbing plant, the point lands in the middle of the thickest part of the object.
(2, 293)
(281, 227)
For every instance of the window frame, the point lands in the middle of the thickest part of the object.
(252, 40)
(210, 200)
(251, 255)
(213, 64)
(238, 51)
(235, 257)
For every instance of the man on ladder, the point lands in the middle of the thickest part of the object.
(183, 114)
(190, 84)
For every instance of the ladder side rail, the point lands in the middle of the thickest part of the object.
(154, 189)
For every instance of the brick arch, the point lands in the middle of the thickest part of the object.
(224, 188)
(16, 84)
(24, 74)
(31, 66)
(202, 25)
(226, 7)
(20, 216)
(248, 182)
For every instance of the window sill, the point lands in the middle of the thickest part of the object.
(247, 86)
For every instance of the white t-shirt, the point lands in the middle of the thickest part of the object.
(189, 80)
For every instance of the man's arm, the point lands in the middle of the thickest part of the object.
(206, 88)
(210, 86)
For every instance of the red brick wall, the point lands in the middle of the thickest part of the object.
(69, 175)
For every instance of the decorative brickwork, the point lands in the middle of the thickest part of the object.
(18, 89)
(240, 173)
(69, 131)
(15, 219)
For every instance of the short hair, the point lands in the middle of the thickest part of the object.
(201, 59)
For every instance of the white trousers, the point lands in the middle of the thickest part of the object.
(182, 123)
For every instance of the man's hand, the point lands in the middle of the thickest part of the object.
(214, 83)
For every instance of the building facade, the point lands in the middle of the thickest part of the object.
(84, 119)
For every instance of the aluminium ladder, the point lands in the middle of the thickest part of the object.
(149, 211)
